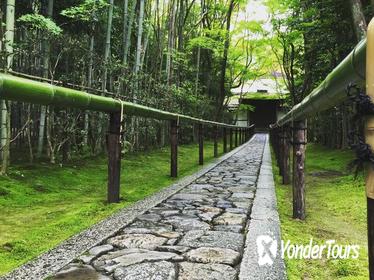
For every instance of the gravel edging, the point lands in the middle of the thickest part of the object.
(53, 260)
(264, 221)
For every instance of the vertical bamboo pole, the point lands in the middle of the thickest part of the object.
(173, 148)
(114, 157)
(216, 141)
(231, 140)
(299, 146)
(369, 137)
(225, 140)
(201, 144)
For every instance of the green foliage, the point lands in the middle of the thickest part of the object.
(39, 22)
(87, 11)
(261, 96)
(310, 33)
(246, 107)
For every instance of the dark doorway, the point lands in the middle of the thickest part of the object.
(265, 112)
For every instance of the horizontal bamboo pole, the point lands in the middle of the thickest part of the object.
(332, 91)
(29, 91)
(369, 138)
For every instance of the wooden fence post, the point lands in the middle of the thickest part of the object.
(231, 142)
(224, 140)
(285, 158)
(114, 157)
(201, 144)
(216, 141)
(236, 137)
(173, 148)
(299, 146)
(280, 150)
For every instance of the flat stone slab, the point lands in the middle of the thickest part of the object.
(75, 272)
(230, 219)
(196, 271)
(249, 195)
(213, 255)
(146, 271)
(141, 241)
(147, 227)
(221, 239)
(95, 252)
(127, 257)
(185, 223)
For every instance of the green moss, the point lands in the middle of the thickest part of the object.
(42, 205)
(336, 209)
(261, 96)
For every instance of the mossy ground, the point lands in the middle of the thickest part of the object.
(336, 209)
(42, 204)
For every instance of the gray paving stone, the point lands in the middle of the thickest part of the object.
(221, 239)
(147, 227)
(186, 223)
(146, 271)
(237, 210)
(196, 271)
(189, 197)
(249, 195)
(232, 228)
(141, 241)
(230, 219)
(76, 272)
(213, 255)
(150, 217)
(127, 257)
(95, 252)
(99, 250)
(173, 249)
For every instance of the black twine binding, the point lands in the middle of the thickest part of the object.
(356, 141)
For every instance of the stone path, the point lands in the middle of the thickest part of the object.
(204, 227)
(197, 233)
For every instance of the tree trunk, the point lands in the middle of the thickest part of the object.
(222, 88)
(128, 34)
(5, 110)
(89, 84)
(171, 42)
(105, 72)
(139, 38)
(359, 22)
(107, 45)
(45, 65)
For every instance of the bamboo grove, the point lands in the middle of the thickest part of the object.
(182, 56)
(173, 55)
